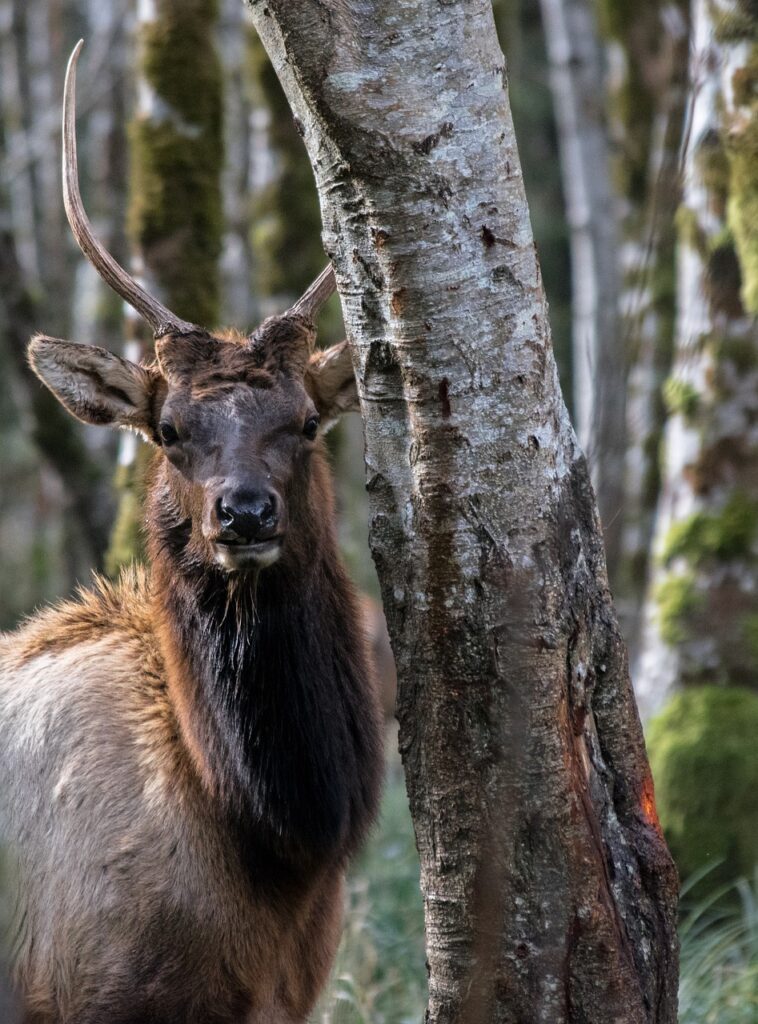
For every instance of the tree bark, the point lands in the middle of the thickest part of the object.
(549, 893)
(599, 364)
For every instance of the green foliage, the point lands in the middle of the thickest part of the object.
(676, 600)
(722, 535)
(704, 758)
(176, 214)
(681, 397)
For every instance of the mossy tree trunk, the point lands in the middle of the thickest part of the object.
(175, 214)
(549, 892)
(702, 614)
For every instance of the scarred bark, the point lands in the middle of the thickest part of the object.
(549, 893)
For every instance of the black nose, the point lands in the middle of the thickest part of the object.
(244, 516)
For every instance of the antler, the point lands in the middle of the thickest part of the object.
(314, 297)
(161, 319)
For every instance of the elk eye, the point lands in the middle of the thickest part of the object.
(311, 427)
(167, 433)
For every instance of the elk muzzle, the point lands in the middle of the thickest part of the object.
(248, 528)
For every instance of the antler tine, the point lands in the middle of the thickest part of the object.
(161, 319)
(314, 297)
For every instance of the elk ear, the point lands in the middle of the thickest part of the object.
(330, 381)
(95, 385)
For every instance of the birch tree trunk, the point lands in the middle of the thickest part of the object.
(599, 364)
(701, 617)
(549, 893)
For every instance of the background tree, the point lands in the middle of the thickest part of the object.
(175, 210)
(577, 77)
(526, 772)
(703, 605)
(646, 46)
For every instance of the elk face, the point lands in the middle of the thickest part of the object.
(236, 420)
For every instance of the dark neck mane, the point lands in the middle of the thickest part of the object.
(274, 691)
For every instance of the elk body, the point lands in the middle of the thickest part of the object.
(189, 758)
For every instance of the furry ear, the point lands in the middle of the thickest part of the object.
(95, 385)
(330, 381)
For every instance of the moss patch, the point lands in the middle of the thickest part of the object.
(677, 600)
(742, 208)
(722, 535)
(704, 759)
(176, 213)
(681, 397)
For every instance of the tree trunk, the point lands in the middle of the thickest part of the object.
(701, 618)
(175, 214)
(647, 59)
(549, 892)
(578, 83)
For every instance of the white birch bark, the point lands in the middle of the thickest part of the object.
(549, 893)
(577, 80)
(711, 442)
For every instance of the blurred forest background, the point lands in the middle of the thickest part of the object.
(637, 125)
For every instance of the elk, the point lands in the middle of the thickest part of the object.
(189, 757)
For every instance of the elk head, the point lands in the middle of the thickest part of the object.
(237, 418)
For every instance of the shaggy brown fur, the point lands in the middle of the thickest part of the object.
(189, 757)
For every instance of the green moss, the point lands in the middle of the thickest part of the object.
(722, 535)
(742, 209)
(750, 634)
(127, 543)
(681, 397)
(704, 759)
(176, 213)
(689, 230)
(741, 352)
(711, 161)
(676, 600)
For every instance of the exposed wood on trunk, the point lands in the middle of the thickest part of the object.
(549, 892)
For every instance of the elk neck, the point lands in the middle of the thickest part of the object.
(270, 680)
